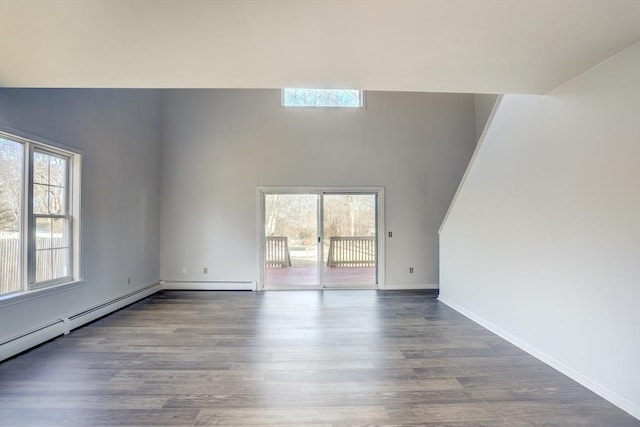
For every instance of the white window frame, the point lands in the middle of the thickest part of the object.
(30, 146)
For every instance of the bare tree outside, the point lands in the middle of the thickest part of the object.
(294, 216)
(349, 215)
(49, 184)
(11, 173)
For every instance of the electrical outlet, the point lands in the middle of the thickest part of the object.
(184, 270)
(410, 270)
(205, 270)
(391, 234)
(128, 280)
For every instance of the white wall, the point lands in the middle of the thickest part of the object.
(483, 104)
(219, 145)
(543, 241)
(118, 132)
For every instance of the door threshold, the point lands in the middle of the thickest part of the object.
(319, 288)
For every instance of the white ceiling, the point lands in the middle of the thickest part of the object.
(481, 46)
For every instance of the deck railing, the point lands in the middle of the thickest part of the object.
(352, 252)
(358, 251)
(277, 254)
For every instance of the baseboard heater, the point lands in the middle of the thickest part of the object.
(110, 306)
(63, 326)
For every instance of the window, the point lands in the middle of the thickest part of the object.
(11, 239)
(51, 218)
(322, 98)
(39, 214)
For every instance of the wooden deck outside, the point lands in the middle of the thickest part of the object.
(308, 276)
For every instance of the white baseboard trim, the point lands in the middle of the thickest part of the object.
(604, 392)
(208, 286)
(64, 325)
(405, 286)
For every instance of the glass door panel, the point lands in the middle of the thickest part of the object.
(292, 249)
(349, 232)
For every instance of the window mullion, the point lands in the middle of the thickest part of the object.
(30, 229)
(67, 211)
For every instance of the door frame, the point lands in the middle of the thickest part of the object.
(261, 191)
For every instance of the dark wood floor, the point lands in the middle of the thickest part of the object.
(334, 358)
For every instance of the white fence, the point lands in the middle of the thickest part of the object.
(9, 265)
(51, 263)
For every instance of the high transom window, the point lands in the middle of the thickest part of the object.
(39, 214)
(341, 98)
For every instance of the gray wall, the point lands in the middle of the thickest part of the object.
(118, 132)
(218, 145)
(543, 241)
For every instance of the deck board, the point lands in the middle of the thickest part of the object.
(308, 276)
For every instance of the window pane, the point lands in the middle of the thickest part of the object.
(43, 233)
(52, 249)
(60, 263)
(40, 199)
(50, 181)
(43, 266)
(52, 264)
(11, 172)
(40, 168)
(322, 98)
(57, 201)
(59, 233)
(57, 171)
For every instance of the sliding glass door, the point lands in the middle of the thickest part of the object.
(349, 236)
(291, 240)
(321, 239)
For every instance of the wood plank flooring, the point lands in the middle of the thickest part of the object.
(323, 358)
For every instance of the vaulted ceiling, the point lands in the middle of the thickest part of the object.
(481, 46)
